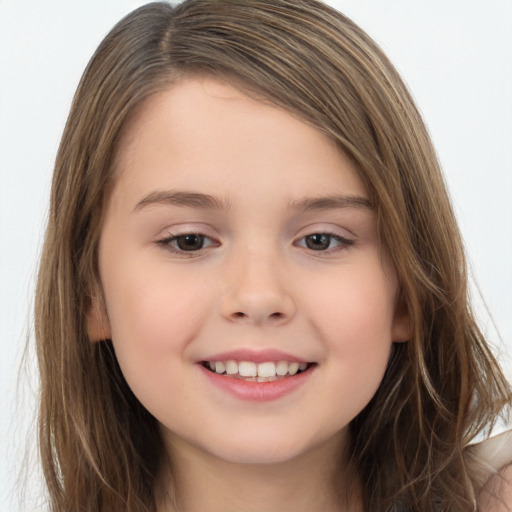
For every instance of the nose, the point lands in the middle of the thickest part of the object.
(257, 291)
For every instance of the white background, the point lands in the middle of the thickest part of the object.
(455, 55)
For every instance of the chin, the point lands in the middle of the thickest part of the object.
(264, 447)
(261, 453)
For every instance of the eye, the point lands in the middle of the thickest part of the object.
(324, 241)
(187, 242)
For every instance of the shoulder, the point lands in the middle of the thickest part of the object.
(496, 494)
(494, 456)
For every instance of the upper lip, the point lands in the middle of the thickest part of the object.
(255, 356)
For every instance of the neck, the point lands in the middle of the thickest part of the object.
(199, 481)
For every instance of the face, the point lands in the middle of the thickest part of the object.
(250, 305)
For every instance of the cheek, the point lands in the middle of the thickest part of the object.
(153, 315)
(149, 301)
(355, 319)
(359, 306)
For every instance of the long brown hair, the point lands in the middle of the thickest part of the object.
(101, 450)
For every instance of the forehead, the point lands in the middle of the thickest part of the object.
(204, 132)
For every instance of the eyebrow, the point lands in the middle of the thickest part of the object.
(206, 201)
(182, 198)
(331, 202)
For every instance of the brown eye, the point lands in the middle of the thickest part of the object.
(189, 242)
(318, 241)
(193, 244)
(324, 242)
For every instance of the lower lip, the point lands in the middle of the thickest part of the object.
(257, 391)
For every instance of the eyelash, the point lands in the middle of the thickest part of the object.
(343, 243)
(167, 243)
(169, 240)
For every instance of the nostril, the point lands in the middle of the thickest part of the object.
(259, 314)
(275, 316)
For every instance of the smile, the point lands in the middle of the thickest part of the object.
(257, 381)
(267, 371)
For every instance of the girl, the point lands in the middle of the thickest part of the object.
(252, 294)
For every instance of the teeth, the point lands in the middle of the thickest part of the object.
(266, 370)
(231, 367)
(247, 369)
(293, 368)
(282, 368)
(263, 372)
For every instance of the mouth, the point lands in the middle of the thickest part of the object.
(249, 371)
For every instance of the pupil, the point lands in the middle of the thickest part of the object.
(318, 241)
(190, 242)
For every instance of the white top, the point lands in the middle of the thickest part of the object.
(494, 458)
(495, 453)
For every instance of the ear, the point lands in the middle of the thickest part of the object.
(402, 326)
(98, 324)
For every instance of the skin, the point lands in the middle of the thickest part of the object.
(255, 284)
